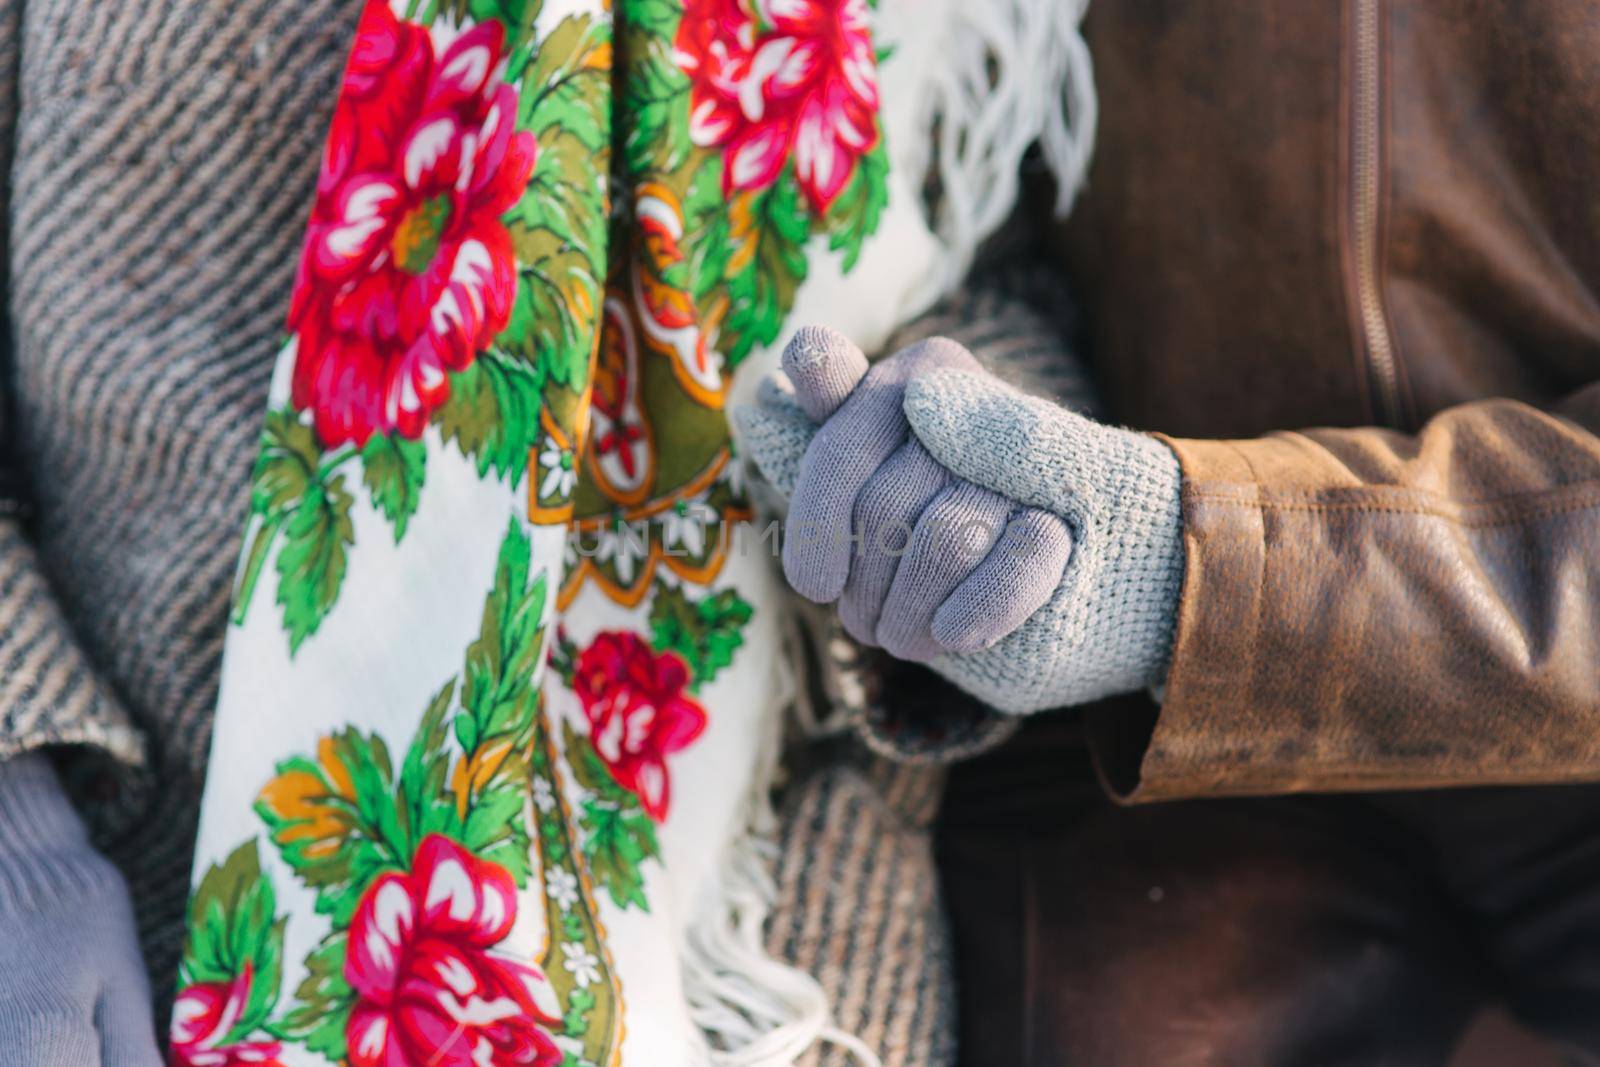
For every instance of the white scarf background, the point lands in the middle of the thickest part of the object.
(683, 981)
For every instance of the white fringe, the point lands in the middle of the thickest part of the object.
(990, 78)
(993, 78)
(755, 1010)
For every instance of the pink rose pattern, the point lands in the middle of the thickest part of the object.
(638, 713)
(775, 80)
(202, 1018)
(408, 271)
(429, 987)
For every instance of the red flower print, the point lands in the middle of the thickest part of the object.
(638, 713)
(407, 270)
(201, 1020)
(428, 990)
(779, 78)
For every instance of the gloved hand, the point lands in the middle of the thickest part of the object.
(73, 990)
(1057, 575)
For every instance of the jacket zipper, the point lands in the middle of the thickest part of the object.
(1366, 120)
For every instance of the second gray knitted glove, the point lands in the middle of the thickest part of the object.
(1101, 624)
(1108, 627)
(72, 984)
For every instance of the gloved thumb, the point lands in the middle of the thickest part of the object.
(127, 1031)
(775, 435)
(123, 1014)
(825, 367)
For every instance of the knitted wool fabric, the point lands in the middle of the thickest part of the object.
(74, 989)
(859, 904)
(859, 898)
(165, 155)
(1108, 628)
(816, 554)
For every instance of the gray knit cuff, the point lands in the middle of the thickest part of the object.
(45, 856)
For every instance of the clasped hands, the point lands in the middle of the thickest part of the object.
(1030, 555)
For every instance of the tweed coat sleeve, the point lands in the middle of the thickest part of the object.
(49, 693)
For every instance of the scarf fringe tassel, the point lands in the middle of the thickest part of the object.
(1009, 74)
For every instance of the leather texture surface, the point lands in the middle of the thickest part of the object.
(1402, 587)
(1342, 931)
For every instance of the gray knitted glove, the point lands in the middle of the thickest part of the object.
(920, 576)
(73, 990)
(1024, 627)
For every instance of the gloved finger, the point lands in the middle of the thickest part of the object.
(49, 1040)
(886, 513)
(776, 392)
(46, 999)
(776, 440)
(825, 367)
(127, 1030)
(1014, 580)
(864, 432)
(123, 1011)
(991, 435)
(955, 533)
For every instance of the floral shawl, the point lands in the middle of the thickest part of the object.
(500, 698)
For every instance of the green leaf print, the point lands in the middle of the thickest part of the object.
(567, 84)
(559, 227)
(492, 415)
(762, 291)
(592, 1010)
(586, 765)
(311, 564)
(499, 699)
(323, 1000)
(618, 840)
(659, 18)
(510, 12)
(705, 632)
(392, 469)
(557, 305)
(707, 249)
(855, 215)
(516, 15)
(335, 819)
(559, 233)
(285, 467)
(234, 926)
(617, 835)
(423, 804)
(285, 470)
(654, 93)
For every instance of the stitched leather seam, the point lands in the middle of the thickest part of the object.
(1590, 499)
(1177, 781)
(1231, 492)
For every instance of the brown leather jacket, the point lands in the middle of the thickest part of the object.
(1382, 218)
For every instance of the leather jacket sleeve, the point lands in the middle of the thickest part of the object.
(1366, 609)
